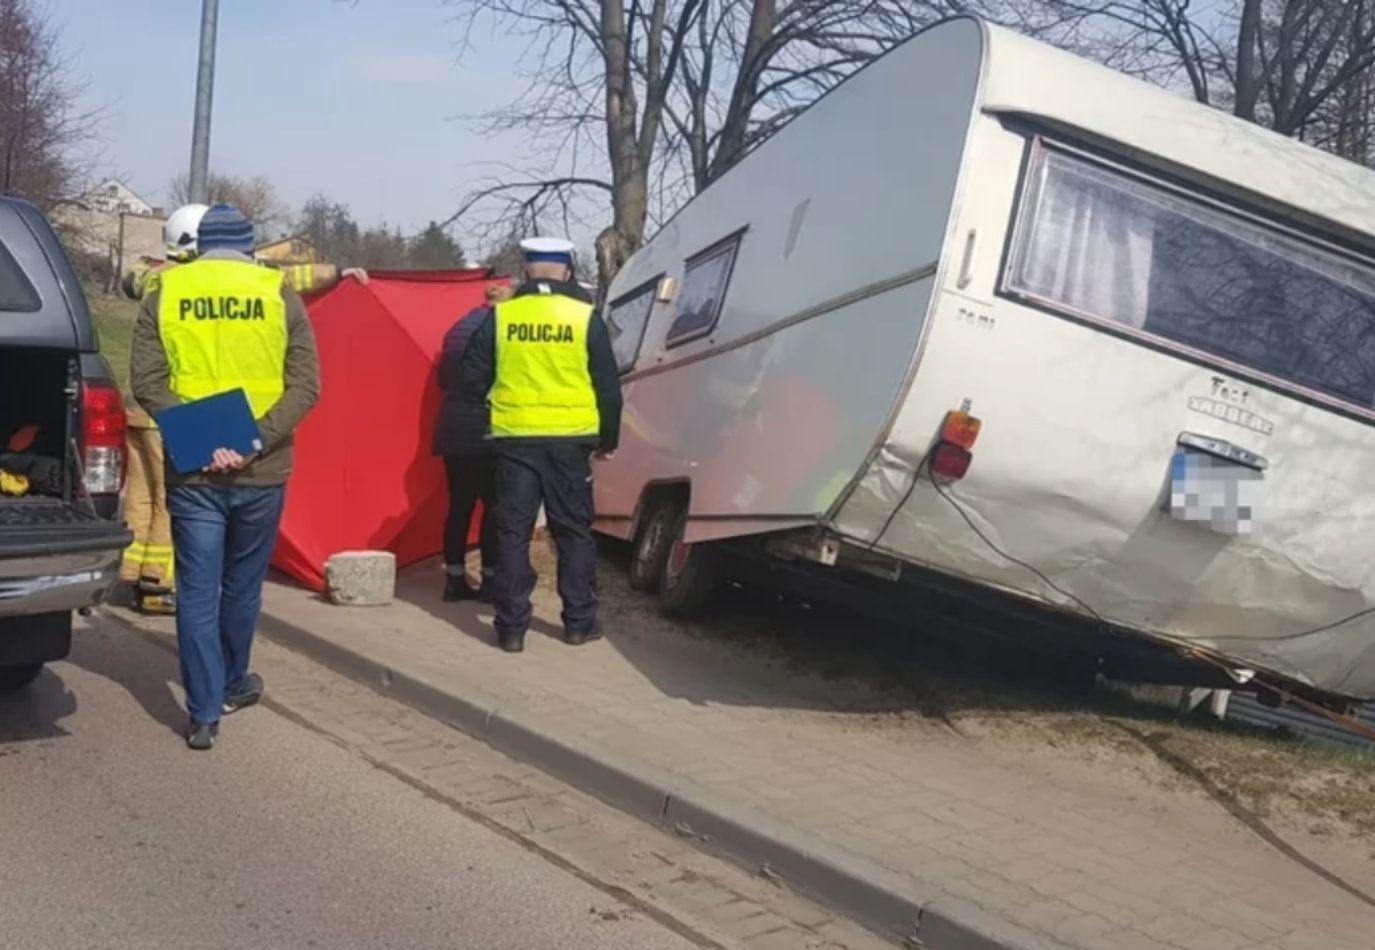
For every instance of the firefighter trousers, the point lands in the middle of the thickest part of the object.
(148, 560)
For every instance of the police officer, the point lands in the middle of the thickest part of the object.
(219, 323)
(543, 360)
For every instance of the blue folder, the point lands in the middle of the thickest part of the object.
(193, 431)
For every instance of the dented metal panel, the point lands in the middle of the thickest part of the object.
(1068, 497)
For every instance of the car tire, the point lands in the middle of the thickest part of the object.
(652, 545)
(17, 677)
(692, 574)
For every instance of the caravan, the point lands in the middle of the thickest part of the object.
(991, 318)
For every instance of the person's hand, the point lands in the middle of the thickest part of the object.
(604, 455)
(357, 273)
(225, 461)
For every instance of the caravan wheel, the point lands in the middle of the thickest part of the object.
(692, 574)
(652, 546)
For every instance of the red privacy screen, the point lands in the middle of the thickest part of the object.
(364, 476)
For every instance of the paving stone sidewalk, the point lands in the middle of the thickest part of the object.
(979, 843)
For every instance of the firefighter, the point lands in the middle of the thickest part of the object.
(544, 363)
(225, 519)
(148, 564)
(147, 567)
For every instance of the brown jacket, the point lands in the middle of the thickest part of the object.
(150, 377)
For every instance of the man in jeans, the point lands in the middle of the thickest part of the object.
(214, 325)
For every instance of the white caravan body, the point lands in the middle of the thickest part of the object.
(1108, 276)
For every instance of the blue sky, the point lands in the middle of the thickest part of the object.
(352, 100)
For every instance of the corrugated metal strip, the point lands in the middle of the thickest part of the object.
(1243, 707)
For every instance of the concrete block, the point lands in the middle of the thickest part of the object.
(361, 578)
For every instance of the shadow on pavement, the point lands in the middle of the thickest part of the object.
(146, 672)
(762, 646)
(422, 586)
(35, 712)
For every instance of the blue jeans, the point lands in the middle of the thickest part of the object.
(223, 538)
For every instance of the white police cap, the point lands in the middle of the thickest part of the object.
(547, 250)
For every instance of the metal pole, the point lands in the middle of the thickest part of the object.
(205, 93)
(119, 258)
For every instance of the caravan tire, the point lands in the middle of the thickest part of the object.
(652, 545)
(691, 576)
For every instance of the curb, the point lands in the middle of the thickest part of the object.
(873, 896)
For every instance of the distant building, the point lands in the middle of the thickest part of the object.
(111, 224)
(288, 250)
(115, 197)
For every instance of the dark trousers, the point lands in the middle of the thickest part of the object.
(559, 474)
(471, 479)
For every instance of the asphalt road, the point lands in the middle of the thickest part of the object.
(114, 836)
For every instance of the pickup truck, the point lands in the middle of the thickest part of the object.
(62, 451)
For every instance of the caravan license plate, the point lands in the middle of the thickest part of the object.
(1208, 490)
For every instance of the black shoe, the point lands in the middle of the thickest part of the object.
(576, 638)
(485, 594)
(456, 589)
(250, 695)
(511, 642)
(201, 736)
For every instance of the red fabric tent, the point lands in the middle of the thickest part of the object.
(364, 476)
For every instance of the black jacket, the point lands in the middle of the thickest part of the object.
(461, 429)
(480, 359)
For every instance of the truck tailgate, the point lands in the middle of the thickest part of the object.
(54, 557)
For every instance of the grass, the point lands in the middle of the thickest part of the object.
(114, 321)
(1328, 790)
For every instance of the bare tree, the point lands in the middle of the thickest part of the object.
(256, 197)
(647, 102)
(42, 128)
(1285, 64)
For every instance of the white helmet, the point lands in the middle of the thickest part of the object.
(179, 233)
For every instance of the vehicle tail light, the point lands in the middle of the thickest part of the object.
(103, 431)
(951, 457)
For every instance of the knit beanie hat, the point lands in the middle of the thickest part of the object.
(224, 228)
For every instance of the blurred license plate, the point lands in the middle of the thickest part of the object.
(1212, 491)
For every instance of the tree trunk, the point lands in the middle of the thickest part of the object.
(630, 206)
(629, 171)
(763, 22)
(1248, 74)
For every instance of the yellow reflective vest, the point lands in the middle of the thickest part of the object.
(543, 384)
(223, 326)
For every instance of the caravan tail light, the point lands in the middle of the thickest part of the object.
(951, 457)
(103, 431)
(960, 429)
(950, 462)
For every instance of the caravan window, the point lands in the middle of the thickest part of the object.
(1105, 245)
(705, 281)
(626, 321)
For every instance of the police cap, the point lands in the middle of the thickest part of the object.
(547, 250)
